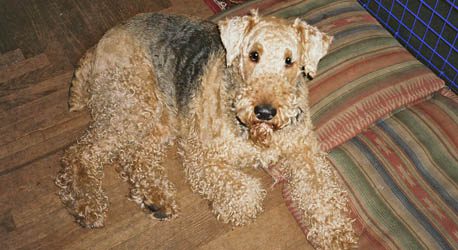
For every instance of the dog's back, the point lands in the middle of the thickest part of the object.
(180, 47)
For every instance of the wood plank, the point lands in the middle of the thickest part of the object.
(23, 67)
(51, 104)
(27, 236)
(44, 142)
(59, 65)
(35, 91)
(77, 24)
(269, 227)
(33, 112)
(34, 127)
(7, 224)
(299, 243)
(30, 183)
(41, 109)
(34, 109)
(10, 57)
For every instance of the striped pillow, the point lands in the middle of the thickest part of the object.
(366, 75)
(402, 178)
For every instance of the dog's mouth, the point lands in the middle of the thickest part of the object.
(260, 132)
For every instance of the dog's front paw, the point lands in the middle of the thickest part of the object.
(241, 204)
(157, 200)
(163, 210)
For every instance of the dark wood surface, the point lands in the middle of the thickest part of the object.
(40, 42)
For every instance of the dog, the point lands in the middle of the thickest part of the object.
(231, 95)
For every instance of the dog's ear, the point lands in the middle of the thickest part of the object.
(314, 44)
(232, 32)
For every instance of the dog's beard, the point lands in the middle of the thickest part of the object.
(261, 133)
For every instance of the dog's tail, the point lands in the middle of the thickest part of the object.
(79, 89)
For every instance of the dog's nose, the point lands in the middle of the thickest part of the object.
(265, 112)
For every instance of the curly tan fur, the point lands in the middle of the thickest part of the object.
(79, 93)
(159, 79)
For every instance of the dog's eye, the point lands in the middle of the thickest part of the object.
(288, 62)
(254, 56)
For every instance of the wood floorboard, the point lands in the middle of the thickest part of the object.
(59, 63)
(30, 181)
(35, 108)
(40, 43)
(10, 57)
(20, 97)
(261, 231)
(23, 67)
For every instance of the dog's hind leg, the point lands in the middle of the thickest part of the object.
(80, 179)
(145, 124)
(132, 127)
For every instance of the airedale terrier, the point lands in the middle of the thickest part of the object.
(232, 95)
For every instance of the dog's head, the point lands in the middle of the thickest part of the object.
(271, 55)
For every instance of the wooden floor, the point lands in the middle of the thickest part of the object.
(40, 42)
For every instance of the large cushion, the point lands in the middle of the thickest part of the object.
(402, 175)
(366, 75)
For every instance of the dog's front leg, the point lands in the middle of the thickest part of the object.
(235, 196)
(316, 190)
